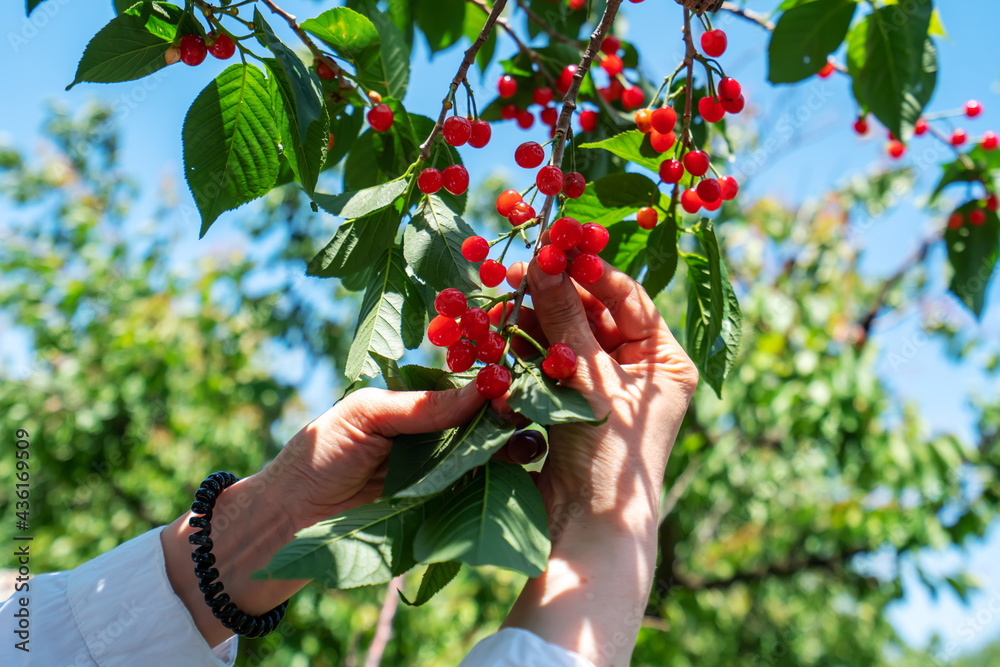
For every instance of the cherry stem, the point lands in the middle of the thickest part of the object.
(747, 14)
(562, 130)
(294, 25)
(513, 328)
(522, 47)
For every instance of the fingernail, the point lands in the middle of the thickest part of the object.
(544, 281)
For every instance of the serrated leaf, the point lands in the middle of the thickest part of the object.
(661, 256)
(632, 145)
(437, 576)
(972, 254)
(392, 317)
(361, 202)
(432, 245)
(612, 198)
(345, 129)
(356, 246)
(542, 400)
(348, 33)
(626, 249)
(705, 296)
(364, 546)
(305, 158)
(498, 518)
(427, 463)
(390, 73)
(230, 142)
(804, 36)
(722, 358)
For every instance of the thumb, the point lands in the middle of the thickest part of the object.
(391, 413)
(560, 310)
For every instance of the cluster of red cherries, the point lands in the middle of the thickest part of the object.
(192, 48)
(958, 137)
(457, 131)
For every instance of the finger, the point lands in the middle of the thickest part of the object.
(515, 274)
(560, 310)
(391, 413)
(628, 304)
(603, 325)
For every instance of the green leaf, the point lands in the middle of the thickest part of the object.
(30, 6)
(305, 158)
(361, 202)
(230, 142)
(345, 129)
(958, 172)
(348, 33)
(437, 576)
(544, 401)
(132, 45)
(442, 21)
(390, 73)
(432, 245)
(392, 317)
(363, 546)
(427, 463)
(705, 296)
(357, 245)
(804, 36)
(722, 359)
(634, 146)
(626, 249)
(307, 91)
(612, 198)
(498, 518)
(661, 256)
(893, 63)
(972, 254)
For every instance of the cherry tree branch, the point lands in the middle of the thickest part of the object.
(383, 629)
(747, 14)
(545, 27)
(470, 57)
(505, 25)
(689, 57)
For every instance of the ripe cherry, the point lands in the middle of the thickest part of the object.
(560, 362)
(450, 303)
(730, 188)
(549, 116)
(222, 47)
(493, 381)
(520, 213)
(565, 233)
(920, 127)
(566, 78)
(549, 180)
(577, 4)
(690, 201)
(489, 349)
(714, 43)
(696, 163)
(475, 248)
(711, 109)
(595, 238)
(492, 273)
(455, 179)
(329, 145)
(644, 120)
(480, 134)
(430, 181)
(992, 203)
(193, 50)
(457, 130)
(508, 111)
(896, 149)
(507, 86)
(729, 89)
(990, 141)
(380, 117)
(671, 171)
(586, 268)
(709, 191)
(574, 184)
(323, 70)
(955, 221)
(664, 120)
(542, 96)
(827, 70)
(499, 314)
(588, 121)
(733, 106)
(958, 137)
(977, 217)
(529, 155)
(610, 45)
(662, 142)
(551, 260)
(506, 201)
(443, 331)
(647, 217)
(973, 108)
(525, 119)
(461, 356)
(861, 126)
(475, 323)
(632, 97)
(612, 65)
(713, 206)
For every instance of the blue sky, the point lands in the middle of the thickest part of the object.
(817, 149)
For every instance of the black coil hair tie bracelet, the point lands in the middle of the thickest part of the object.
(223, 609)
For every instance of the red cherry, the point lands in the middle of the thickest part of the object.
(713, 43)
(506, 201)
(549, 180)
(955, 221)
(664, 120)
(193, 50)
(492, 273)
(560, 362)
(644, 120)
(493, 381)
(475, 323)
(632, 97)
(612, 65)
(480, 134)
(475, 248)
(896, 149)
(457, 130)
(450, 303)
(958, 137)
(461, 355)
(529, 155)
(525, 119)
(551, 260)
(574, 184)
(456, 179)
(329, 145)
(610, 45)
(973, 108)
(733, 106)
(520, 213)
(992, 203)
(323, 70)
(380, 117)
(662, 142)
(566, 79)
(730, 188)
(827, 70)
(647, 217)
(861, 126)
(920, 127)
(508, 111)
(507, 86)
(595, 238)
(713, 206)
(429, 181)
(709, 191)
(542, 96)
(497, 313)
(671, 171)
(588, 121)
(565, 233)
(489, 349)
(711, 109)
(549, 116)
(729, 89)
(690, 201)
(977, 217)
(222, 47)
(696, 163)
(586, 268)
(577, 4)
(990, 141)
(443, 331)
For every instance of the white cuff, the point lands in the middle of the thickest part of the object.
(515, 647)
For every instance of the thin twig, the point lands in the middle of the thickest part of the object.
(383, 630)
(562, 130)
(303, 35)
(546, 28)
(747, 14)
(689, 56)
(470, 57)
(505, 24)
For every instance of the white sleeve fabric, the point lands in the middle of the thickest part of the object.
(514, 647)
(115, 610)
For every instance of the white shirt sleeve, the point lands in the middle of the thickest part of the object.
(514, 647)
(115, 610)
